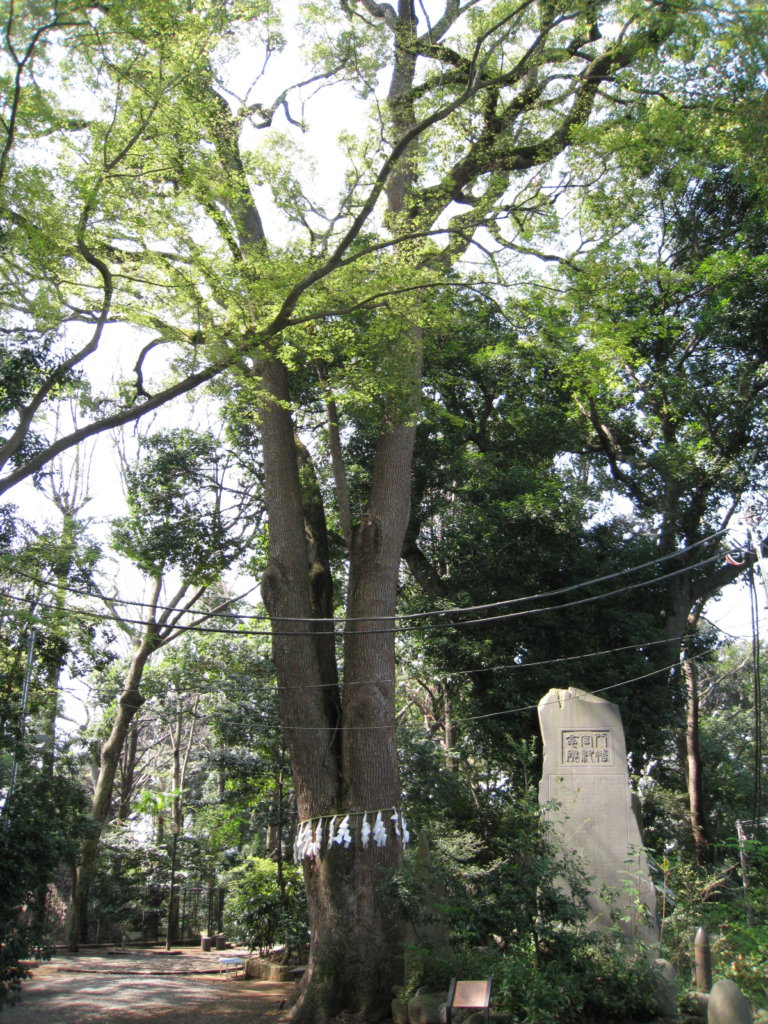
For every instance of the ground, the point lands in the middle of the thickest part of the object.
(135, 986)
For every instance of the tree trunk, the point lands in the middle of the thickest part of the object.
(344, 760)
(127, 773)
(128, 704)
(694, 764)
(683, 614)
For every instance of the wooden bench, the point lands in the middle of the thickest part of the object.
(468, 995)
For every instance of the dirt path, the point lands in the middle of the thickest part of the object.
(135, 987)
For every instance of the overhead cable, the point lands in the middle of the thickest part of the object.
(407, 616)
(427, 627)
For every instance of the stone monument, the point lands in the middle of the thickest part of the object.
(585, 785)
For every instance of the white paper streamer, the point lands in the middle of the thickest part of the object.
(303, 836)
(297, 843)
(395, 819)
(310, 833)
(314, 847)
(379, 831)
(343, 834)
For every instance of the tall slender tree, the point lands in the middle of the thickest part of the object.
(177, 523)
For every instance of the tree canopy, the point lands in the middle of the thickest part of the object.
(328, 223)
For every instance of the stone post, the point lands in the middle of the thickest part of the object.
(702, 958)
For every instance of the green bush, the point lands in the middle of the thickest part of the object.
(259, 912)
(433, 969)
(44, 824)
(715, 900)
(585, 978)
(740, 952)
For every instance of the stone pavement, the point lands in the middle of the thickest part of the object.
(133, 986)
(143, 961)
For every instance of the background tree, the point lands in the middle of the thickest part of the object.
(179, 522)
(43, 803)
(678, 412)
(235, 802)
(505, 508)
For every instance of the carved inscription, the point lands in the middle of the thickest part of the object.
(586, 747)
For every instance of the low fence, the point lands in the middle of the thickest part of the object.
(198, 910)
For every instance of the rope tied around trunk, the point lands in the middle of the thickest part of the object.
(312, 837)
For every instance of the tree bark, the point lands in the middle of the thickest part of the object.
(128, 773)
(683, 613)
(347, 764)
(344, 759)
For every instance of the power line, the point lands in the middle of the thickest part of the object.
(509, 666)
(511, 711)
(486, 620)
(406, 616)
(276, 724)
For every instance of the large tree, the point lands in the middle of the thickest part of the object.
(166, 214)
(668, 366)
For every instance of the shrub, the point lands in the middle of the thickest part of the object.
(740, 952)
(716, 901)
(585, 978)
(262, 913)
(44, 823)
(433, 969)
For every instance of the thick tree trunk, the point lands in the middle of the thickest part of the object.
(348, 764)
